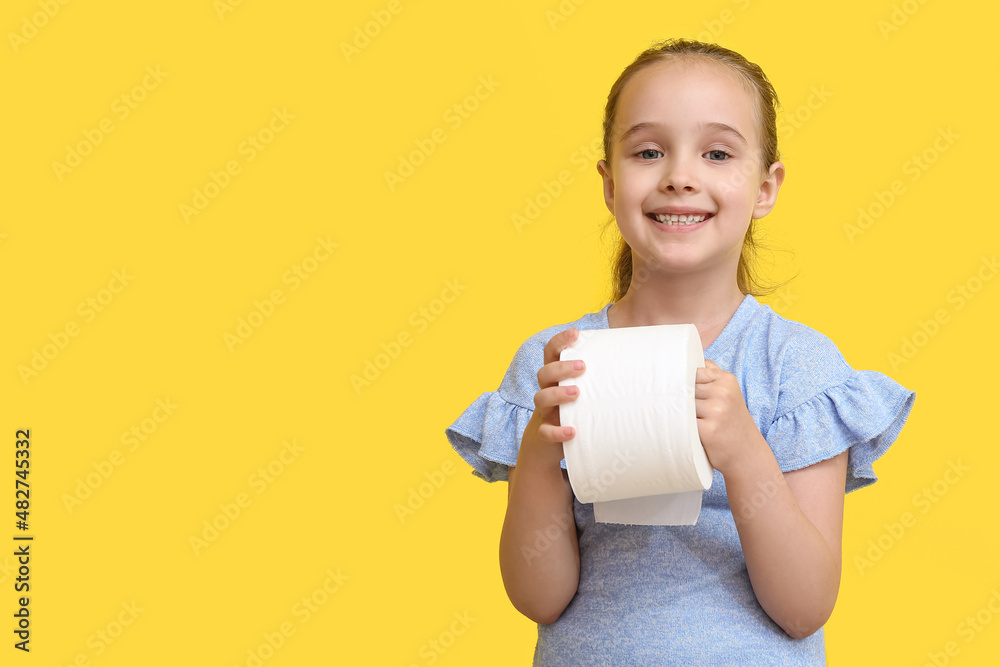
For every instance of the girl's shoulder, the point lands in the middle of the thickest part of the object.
(809, 403)
(783, 335)
(777, 345)
(488, 433)
(520, 383)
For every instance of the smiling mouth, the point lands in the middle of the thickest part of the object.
(679, 219)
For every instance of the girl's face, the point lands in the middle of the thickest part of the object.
(685, 143)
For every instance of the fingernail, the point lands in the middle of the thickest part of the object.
(578, 365)
(571, 390)
(567, 430)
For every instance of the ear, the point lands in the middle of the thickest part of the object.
(767, 196)
(609, 185)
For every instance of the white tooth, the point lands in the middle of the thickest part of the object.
(679, 219)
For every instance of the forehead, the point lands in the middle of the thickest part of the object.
(683, 92)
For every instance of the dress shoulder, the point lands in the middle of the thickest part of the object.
(824, 406)
(487, 435)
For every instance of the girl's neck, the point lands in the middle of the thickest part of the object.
(664, 299)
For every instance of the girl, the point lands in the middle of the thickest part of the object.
(690, 162)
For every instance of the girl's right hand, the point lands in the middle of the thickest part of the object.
(543, 436)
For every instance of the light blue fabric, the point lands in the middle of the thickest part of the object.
(681, 595)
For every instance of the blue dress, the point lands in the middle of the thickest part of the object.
(681, 595)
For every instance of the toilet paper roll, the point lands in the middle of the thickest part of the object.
(636, 453)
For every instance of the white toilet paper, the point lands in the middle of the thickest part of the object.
(636, 454)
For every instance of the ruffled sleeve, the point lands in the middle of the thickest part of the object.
(859, 411)
(488, 433)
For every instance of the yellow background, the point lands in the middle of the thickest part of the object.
(363, 452)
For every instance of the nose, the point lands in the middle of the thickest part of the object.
(678, 175)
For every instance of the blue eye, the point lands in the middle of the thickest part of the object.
(649, 150)
(718, 155)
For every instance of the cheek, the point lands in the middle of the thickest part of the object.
(630, 221)
(742, 198)
(635, 185)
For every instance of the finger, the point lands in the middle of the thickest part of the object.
(556, 433)
(551, 374)
(710, 364)
(704, 375)
(552, 397)
(702, 391)
(558, 343)
(702, 408)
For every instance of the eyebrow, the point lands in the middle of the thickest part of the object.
(718, 127)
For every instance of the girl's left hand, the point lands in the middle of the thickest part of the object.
(726, 429)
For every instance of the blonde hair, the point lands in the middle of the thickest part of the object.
(765, 115)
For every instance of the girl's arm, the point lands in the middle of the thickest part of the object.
(790, 524)
(539, 554)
